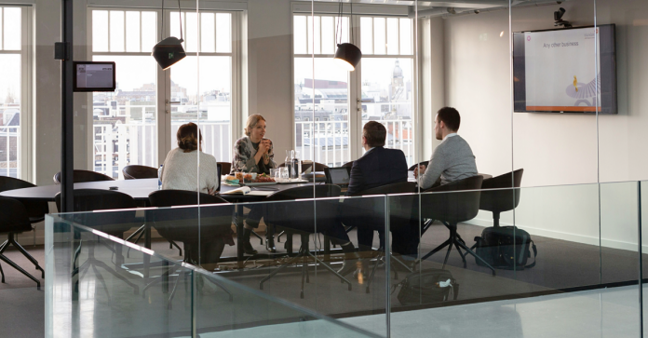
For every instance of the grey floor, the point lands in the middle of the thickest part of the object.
(110, 307)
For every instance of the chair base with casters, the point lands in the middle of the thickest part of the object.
(304, 256)
(381, 258)
(459, 243)
(12, 241)
(140, 232)
(78, 272)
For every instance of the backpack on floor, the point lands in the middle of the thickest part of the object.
(505, 247)
(427, 286)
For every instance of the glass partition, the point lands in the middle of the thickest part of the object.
(100, 285)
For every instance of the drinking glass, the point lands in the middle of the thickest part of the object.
(285, 174)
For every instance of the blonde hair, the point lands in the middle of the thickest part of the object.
(187, 140)
(252, 121)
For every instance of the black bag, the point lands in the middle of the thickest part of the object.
(506, 247)
(427, 286)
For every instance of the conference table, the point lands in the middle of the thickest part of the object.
(140, 189)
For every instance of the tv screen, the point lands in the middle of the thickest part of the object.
(559, 71)
(94, 76)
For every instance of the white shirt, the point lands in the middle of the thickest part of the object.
(180, 171)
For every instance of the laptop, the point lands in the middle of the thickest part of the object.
(338, 176)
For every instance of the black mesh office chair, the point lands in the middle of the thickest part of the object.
(15, 219)
(203, 231)
(504, 197)
(134, 172)
(453, 203)
(36, 211)
(298, 218)
(400, 216)
(226, 167)
(83, 176)
(111, 223)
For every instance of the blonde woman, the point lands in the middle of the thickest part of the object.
(253, 153)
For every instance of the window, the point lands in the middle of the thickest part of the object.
(127, 122)
(14, 89)
(323, 99)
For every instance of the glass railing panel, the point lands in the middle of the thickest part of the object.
(103, 286)
(100, 286)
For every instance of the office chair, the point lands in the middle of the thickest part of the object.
(226, 167)
(504, 197)
(84, 176)
(425, 163)
(133, 172)
(453, 203)
(111, 223)
(400, 215)
(15, 219)
(36, 211)
(182, 224)
(348, 164)
(298, 218)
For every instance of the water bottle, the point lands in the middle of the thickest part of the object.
(296, 164)
(287, 162)
(293, 167)
(160, 177)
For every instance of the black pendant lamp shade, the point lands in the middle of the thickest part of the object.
(348, 56)
(168, 51)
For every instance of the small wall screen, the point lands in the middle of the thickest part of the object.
(94, 77)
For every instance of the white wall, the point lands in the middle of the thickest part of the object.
(555, 149)
(270, 79)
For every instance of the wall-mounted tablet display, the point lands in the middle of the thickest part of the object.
(94, 76)
(560, 71)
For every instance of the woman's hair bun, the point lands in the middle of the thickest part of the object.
(187, 140)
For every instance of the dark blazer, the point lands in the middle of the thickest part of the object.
(378, 167)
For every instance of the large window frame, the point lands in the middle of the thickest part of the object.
(24, 132)
(163, 102)
(354, 102)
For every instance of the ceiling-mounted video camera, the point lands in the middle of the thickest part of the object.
(558, 21)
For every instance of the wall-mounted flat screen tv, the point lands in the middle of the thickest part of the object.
(94, 76)
(559, 71)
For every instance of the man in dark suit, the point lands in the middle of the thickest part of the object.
(378, 166)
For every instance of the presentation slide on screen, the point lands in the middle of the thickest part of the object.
(560, 70)
(95, 75)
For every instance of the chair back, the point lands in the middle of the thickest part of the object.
(301, 215)
(506, 197)
(35, 209)
(84, 176)
(425, 163)
(348, 164)
(10, 183)
(13, 216)
(113, 223)
(316, 166)
(134, 172)
(373, 209)
(226, 167)
(454, 202)
(188, 224)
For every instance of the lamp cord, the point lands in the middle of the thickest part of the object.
(162, 27)
(351, 24)
(338, 22)
(180, 16)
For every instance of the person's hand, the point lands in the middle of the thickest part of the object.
(419, 170)
(211, 191)
(264, 146)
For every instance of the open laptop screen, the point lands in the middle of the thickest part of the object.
(339, 176)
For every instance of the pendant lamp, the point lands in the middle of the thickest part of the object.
(169, 51)
(347, 55)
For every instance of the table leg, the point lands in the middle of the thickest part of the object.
(239, 235)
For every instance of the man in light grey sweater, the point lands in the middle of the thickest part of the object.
(453, 159)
